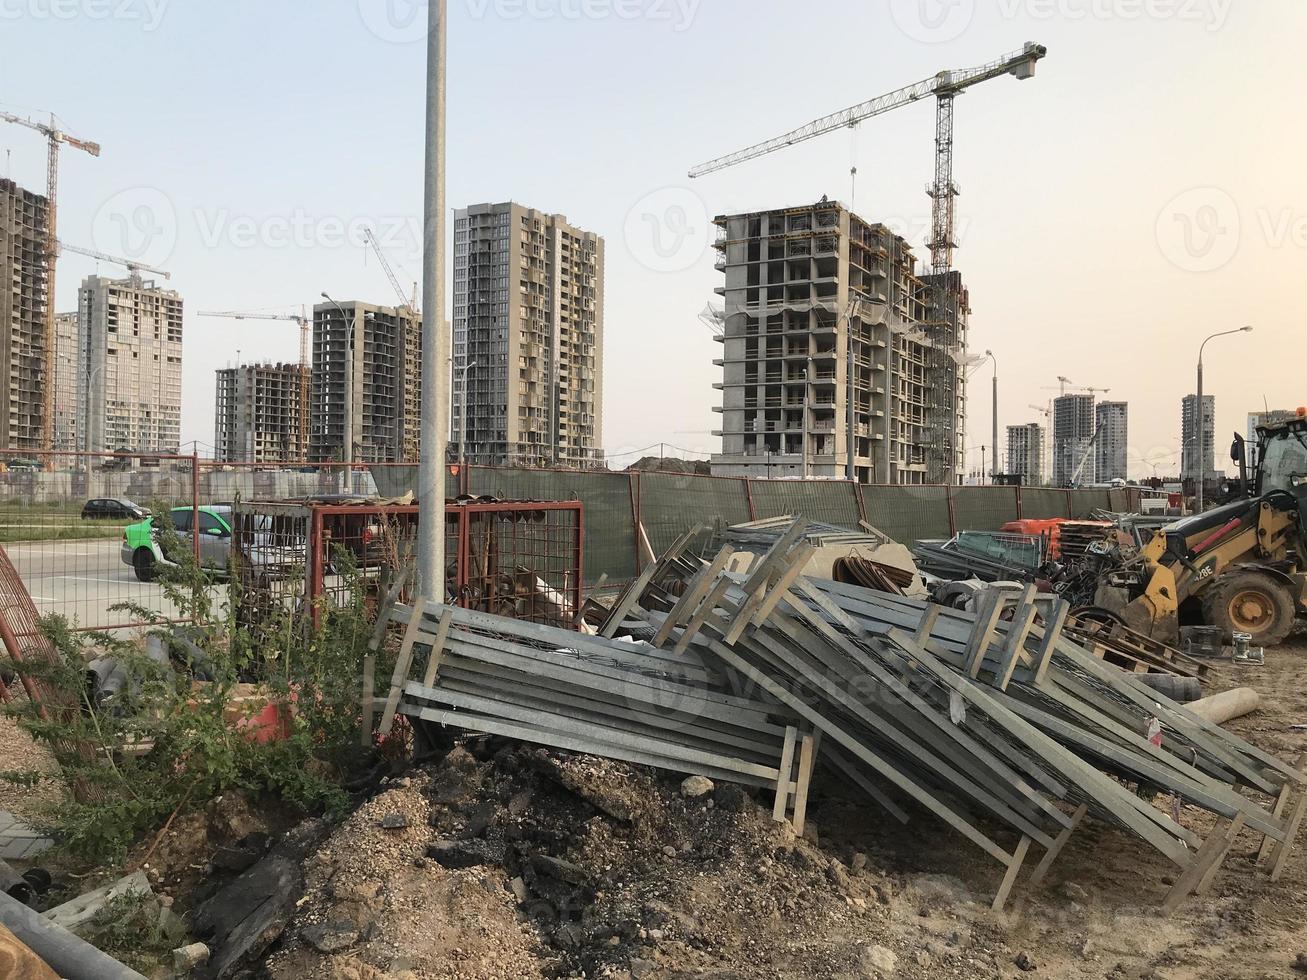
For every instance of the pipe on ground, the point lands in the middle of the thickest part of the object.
(66, 954)
(1220, 708)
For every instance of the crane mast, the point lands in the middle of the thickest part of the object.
(946, 344)
(55, 137)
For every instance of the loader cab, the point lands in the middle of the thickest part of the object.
(1282, 457)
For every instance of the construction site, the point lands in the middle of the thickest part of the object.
(408, 676)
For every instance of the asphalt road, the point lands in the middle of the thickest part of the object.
(82, 580)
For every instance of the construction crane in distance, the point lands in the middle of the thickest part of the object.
(945, 87)
(406, 306)
(130, 265)
(305, 368)
(55, 137)
(1066, 384)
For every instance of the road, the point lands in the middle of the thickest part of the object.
(82, 580)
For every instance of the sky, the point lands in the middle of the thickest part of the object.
(1143, 191)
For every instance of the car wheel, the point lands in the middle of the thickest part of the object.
(143, 564)
(1250, 602)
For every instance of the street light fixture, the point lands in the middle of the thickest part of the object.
(1198, 415)
(993, 477)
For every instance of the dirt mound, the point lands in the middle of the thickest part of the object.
(535, 864)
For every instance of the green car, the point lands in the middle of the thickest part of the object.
(142, 550)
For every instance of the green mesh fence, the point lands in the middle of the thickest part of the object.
(1120, 499)
(833, 502)
(908, 514)
(1042, 503)
(395, 481)
(983, 508)
(606, 498)
(671, 504)
(1085, 502)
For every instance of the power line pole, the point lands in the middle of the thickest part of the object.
(435, 339)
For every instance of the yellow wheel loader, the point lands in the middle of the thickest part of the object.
(1241, 566)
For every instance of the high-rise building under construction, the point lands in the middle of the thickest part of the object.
(822, 309)
(24, 305)
(528, 338)
(258, 413)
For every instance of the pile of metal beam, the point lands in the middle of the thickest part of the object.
(987, 556)
(997, 723)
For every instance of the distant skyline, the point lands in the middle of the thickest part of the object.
(1141, 192)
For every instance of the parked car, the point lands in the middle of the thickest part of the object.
(144, 552)
(113, 508)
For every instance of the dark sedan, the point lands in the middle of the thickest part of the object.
(113, 508)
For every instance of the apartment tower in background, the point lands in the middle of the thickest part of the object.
(1191, 466)
(822, 308)
(1074, 421)
(129, 366)
(24, 299)
(258, 414)
(67, 347)
(365, 403)
(1112, 423)
(1025, 453)
(529, 329)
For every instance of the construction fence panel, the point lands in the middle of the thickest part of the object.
(671, 504)
(606, 499)
(983, 508)
(1044, 503)
(1120, 498)
(830, 501)
(1085, 502)
(908, 514)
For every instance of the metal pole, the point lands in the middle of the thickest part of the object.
(462, 417)
(1198, 423)
(435, 340)
(1199, 419)
(994, 442)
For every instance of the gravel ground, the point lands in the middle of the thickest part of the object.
(19, 754)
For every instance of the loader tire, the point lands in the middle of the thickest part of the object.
(1251, 602)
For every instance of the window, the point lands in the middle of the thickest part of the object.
(181, 519)
(210, 523)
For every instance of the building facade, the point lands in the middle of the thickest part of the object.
(1194, 464)
(1025, 453)
(365, 403)
(528, 337)
(1074, 421)
(1112, 425)
(67, 348)
(24, 306)
(260, 415)
(130, 366)
(825, 311)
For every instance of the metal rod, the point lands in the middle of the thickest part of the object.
(435, 339)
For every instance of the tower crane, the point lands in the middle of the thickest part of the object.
(1066, 384)
(945, 87)
(406, 305)
(55, 138)
(305, 369)
(131, 265)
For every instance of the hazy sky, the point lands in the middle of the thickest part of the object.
(1143, 190)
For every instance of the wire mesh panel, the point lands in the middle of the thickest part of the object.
(908, 514)
(522, 561)
(983, 508)
(85, 533)
(830, 501)
(671, 504)
(1043, 503)
(606, 497)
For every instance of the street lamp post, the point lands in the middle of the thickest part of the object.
(462, 415)
(993, 478)
(1198, 415)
